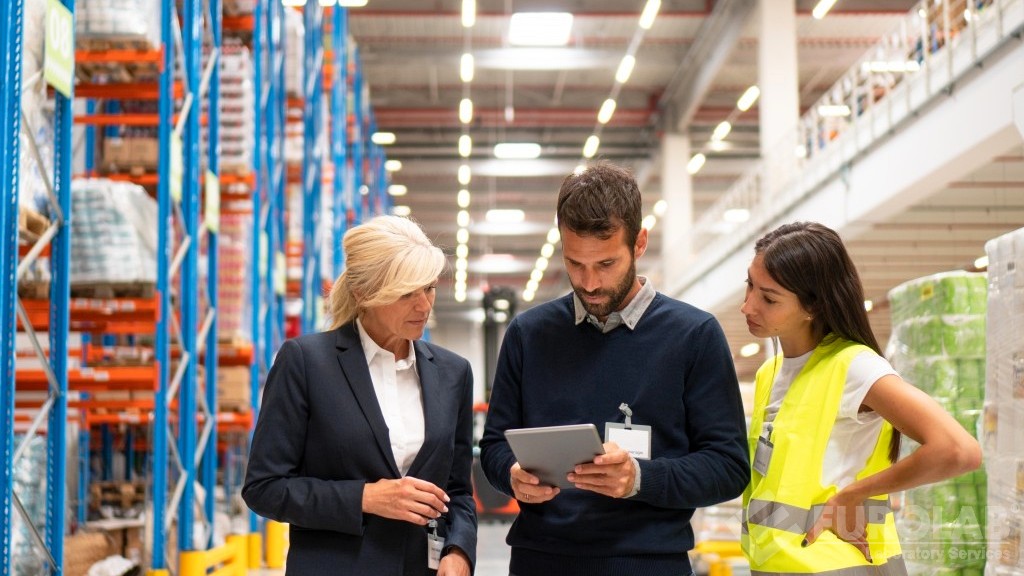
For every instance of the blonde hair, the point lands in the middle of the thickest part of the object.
(385, 258)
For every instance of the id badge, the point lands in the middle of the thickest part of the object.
(636, 439)
(435, 544)
(763, 455)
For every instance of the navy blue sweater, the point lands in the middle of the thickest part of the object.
(676, 373)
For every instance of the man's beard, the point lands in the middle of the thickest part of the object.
(615, 296)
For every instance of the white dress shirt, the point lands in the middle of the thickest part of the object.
(397, 385)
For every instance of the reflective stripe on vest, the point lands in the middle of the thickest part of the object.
(799, 520)
(894, 567)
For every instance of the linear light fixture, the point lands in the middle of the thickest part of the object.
(721, 131)
(463, 198)
(383, 138)
(517, 150)
(466, 67)
(625, 68)
(607, 109)
(649, 14)
(590, 146)
(398, 190)
(540, 29)
(749, 350)
(750, 95)
(822, 8)
(505, 215)
(401, 210)
(468, 13)
(465, 175)
(465, 145)
(393, 165)
(696, 163)
(466, 111)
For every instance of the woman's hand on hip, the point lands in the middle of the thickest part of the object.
(847, 519)
(407, 499)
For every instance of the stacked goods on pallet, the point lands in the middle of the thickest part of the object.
(113, 238)
(1003, 437)
(239, 7)
(237, 102)
(233, 273)
(294, 80)
(30, 486)
(938, 344)
(118, 23)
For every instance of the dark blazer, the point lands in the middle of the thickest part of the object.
(321, 437)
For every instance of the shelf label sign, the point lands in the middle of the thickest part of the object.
(280, 274)
(177, 169)
(212, 202)
(59, 50)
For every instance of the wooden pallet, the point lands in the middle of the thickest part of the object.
(105, 290)
(134, 43)
(34, 289)
(123, 495)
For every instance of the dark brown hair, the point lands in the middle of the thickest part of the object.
(600, 200)
(810, 260)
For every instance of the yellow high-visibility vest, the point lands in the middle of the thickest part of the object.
(780, 507)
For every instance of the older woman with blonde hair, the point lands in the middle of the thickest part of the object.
(364, 439)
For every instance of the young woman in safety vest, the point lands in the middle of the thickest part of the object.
(828, 413)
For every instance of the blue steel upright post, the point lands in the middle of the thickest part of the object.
(312, 173)
(158, 461)
(358, 142)
(10, 98)
(209, 469)
(339, 134)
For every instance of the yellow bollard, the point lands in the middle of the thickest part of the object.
(240, 554)
(275, 544)
(193, 563)
(159, 572)
(255, 542)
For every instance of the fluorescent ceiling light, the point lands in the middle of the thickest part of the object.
(505, 216)
(461, 265)
(462, 251)
(460, 275)
(660, 207)
(468, 13)
(869, 305)
(540, 29)
(822, 8)
(547, 250)
(541, 58)
(625, 69)
(833, 110)
(460, 296)
(524, 228)
(463, 198)
(517, 150)
(541, 264)
(291, 3)
(800, 151)
(553, 236)
(351, 3)
(465, 175)
(465, 146)
(649, 221)
(466, 67)
(981, 263)
(590, 146)
(462, 218)
(466, 111)
(749, 350)
(536, 275)
(736, 215)
(748, 98)
(579, 169)
(462, 236)
(528, 296)
(398, 190)
(696, 163)
(383, 138)
(649, 14)
(721, 131)
(607, 109)
(895, 66)
(401, 210)
(719, 145)
(393, 165)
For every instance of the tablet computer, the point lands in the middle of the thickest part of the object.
(551, 452)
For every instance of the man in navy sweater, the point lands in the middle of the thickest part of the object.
(577, 359)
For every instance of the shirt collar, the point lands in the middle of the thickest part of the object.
(371, 349)
(629, 315)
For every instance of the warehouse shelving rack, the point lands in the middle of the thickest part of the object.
(339, 113)
(312, 165)
(56, 239)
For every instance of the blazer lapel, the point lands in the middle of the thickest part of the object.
(431, 388)
(357, 374)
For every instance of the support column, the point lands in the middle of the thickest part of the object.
(677, 222)
(779, 105)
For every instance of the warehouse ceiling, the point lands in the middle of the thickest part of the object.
(691, 67)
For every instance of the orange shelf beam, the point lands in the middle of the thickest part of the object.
(124, 91)
(93, 380)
